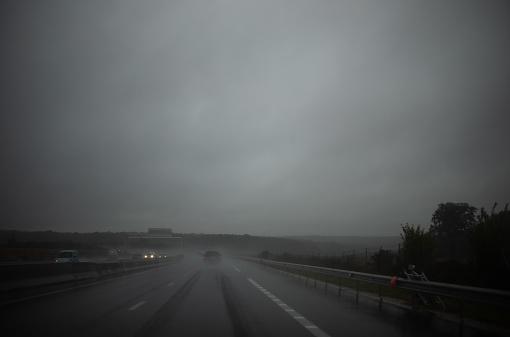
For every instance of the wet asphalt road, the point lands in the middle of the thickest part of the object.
(190, 298)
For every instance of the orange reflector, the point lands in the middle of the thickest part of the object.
(393, 282)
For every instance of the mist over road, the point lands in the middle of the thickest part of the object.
(190, 298)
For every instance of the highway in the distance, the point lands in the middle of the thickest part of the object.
(189, 298)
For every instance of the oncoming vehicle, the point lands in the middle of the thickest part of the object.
(150, 255)
(67, 256)
(212, 256)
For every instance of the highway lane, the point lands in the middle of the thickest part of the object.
(190, 298)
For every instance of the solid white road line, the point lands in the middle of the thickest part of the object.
(235, 267)
(314, 329)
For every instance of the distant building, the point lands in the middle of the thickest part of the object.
(159, 239)
(160, 231)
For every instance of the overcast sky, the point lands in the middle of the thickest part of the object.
(251, 117)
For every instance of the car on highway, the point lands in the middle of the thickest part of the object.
(150, 255)
(162, 256)
(212, 257)
(67, 256)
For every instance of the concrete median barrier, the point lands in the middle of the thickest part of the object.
(17, 276)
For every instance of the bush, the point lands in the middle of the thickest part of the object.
(265, 254)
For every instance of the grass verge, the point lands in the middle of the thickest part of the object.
(476, 312)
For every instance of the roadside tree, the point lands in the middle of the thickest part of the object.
(417, 246)
(490, 243)
(452, 221)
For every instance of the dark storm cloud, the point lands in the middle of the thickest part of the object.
(267, 118)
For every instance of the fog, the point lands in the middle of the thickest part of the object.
(251, 117)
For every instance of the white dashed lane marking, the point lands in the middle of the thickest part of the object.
(314, 330)
(137, 305)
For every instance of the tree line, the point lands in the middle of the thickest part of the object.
(462, 246)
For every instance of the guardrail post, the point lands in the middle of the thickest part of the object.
(326, 283)
(339, 286)
(380, 297)
(315, 280)
(357, 291)
(461, 314)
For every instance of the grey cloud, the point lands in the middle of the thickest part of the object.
(339, 118)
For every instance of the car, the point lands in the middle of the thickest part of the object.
(67, 256)
(162, 256)
(212, 257)
(150, 255)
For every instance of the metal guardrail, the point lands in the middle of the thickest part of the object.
(490, 296)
